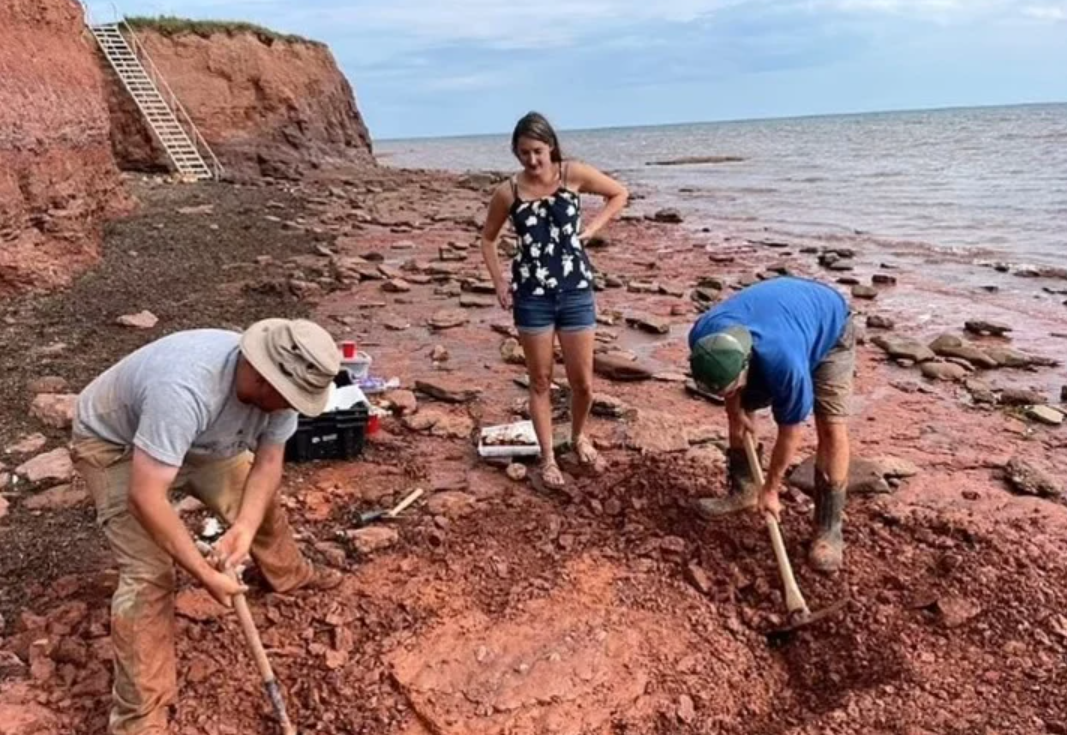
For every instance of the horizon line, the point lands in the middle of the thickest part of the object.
(605, 128)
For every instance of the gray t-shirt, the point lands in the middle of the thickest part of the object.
(177, 396)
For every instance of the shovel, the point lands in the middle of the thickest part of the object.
(800, 615)
(255, 645)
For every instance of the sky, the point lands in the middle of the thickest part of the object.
(428, 68)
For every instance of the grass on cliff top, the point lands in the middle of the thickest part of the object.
(168, 25)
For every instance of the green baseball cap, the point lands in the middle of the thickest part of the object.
(717, 360)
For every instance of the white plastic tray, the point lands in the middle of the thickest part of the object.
(523, 431)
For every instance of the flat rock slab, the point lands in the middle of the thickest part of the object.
(55, 467)
(1045, 415)
(902, 347)
(1025, 479)
(449, 319)
(373, 538)
(865, 476)
(978, 326)
(614, 367)
(656, 432)
(569, 663)
(649, 323)
(949, 345)
(945, 371)
(475, 301)
(449, 391)
(140, 320)
(60, 497)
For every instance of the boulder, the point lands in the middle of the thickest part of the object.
(140, 320)
(52, 467)
(373, 538)
(616, 368)
(980, 327)
(54, 409)
(903, 347)
(1025, 479)
(945, 371)
(449, 391)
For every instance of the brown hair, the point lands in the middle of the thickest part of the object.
(535, 126)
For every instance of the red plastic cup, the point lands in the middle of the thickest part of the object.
(348, 350)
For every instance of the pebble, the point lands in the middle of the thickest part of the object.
(516, 471)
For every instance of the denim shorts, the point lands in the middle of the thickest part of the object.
(564, 311)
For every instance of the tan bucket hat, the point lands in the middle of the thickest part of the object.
(297, 357)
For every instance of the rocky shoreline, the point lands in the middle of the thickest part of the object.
(494, 607)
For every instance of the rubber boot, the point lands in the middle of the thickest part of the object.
(828, 547)
(742, 492)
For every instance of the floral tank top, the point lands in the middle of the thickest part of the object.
(550, 257)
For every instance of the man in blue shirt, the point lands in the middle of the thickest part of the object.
(789, 344)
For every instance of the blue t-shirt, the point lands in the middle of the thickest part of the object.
(794, 324)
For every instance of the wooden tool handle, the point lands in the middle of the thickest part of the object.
(794, 601)
(248, 627)
(415, 495)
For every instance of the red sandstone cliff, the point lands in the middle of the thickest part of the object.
(58, 179)
(266, 105)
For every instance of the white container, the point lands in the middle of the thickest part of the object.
(522, 435)
(358, 367)
(344, 398)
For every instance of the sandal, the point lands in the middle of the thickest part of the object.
(588, 456)
(551, 475)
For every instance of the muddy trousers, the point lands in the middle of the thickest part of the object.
(142, 610)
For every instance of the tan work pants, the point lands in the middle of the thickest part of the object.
(142, 610)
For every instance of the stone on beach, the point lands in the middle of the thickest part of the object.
(140, 320)
(617, 368)
(945, 371)
(649, 323)
(449, 319)
(980, 327)
(904, 347)
(668, 216)
(448, 391)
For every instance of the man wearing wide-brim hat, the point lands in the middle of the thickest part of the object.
(787, 343)
(209, 411)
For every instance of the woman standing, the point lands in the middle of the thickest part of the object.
(551, 288)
